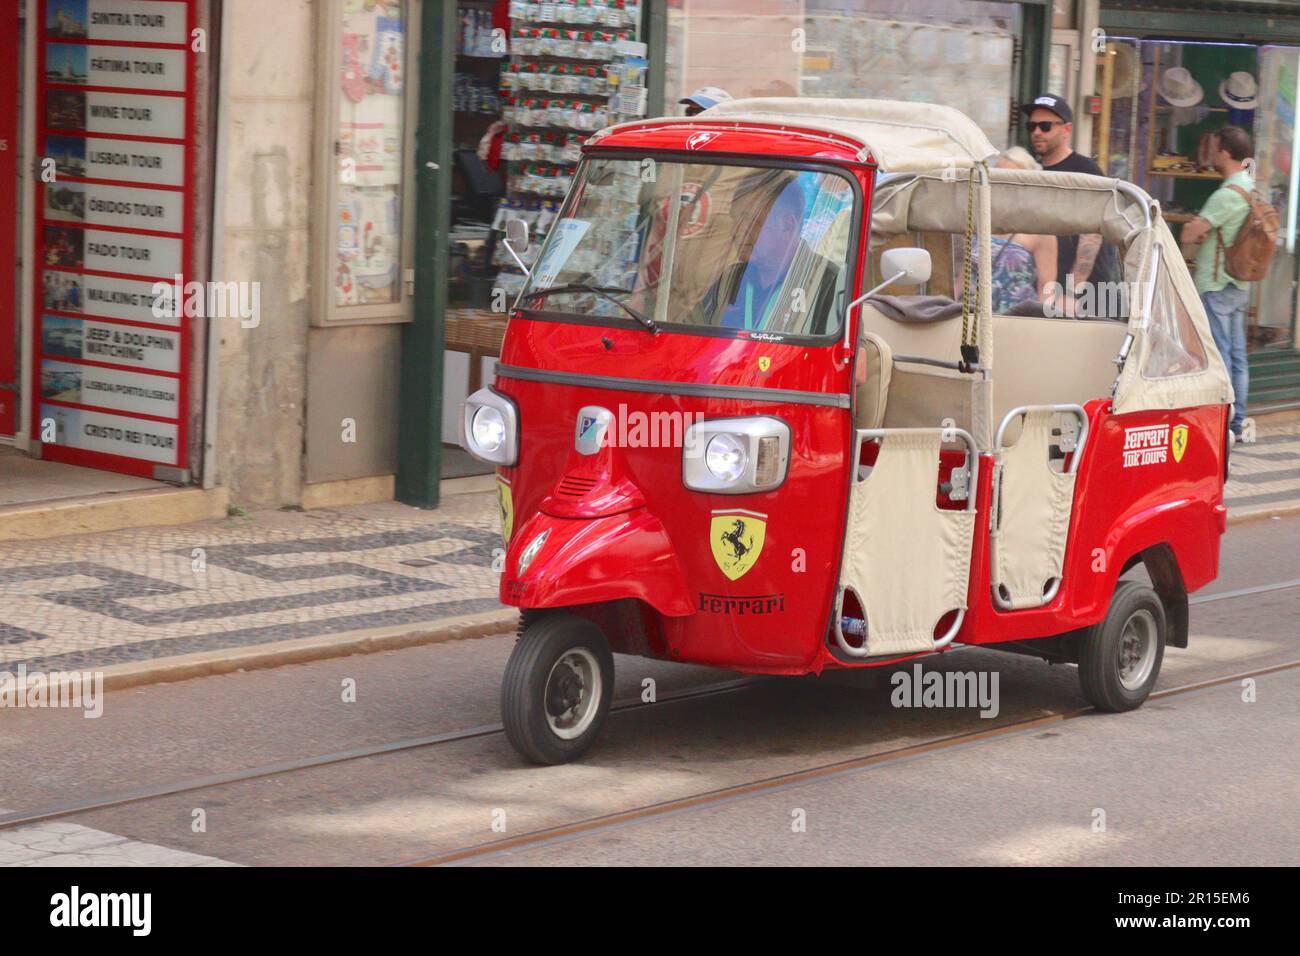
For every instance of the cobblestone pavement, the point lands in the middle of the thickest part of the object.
(94, 600)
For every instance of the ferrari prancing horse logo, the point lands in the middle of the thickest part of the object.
(506, 505)
(736, 537)
(1178, 441)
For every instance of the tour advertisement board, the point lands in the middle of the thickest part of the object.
(115, 109)
(9, 375)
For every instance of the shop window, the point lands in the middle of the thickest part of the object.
(1159, 103)
(953, 52)
(1176, 347)
(366, 164)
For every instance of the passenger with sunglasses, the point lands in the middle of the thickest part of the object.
(1051, 123)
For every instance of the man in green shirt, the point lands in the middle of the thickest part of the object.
(1214, 231)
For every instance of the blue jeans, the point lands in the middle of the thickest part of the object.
(1227, 312)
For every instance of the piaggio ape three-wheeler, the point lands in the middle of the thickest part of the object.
(755, 410)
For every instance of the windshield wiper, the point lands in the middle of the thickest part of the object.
(606, 292)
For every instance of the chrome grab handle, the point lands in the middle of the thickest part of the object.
(1075, 410)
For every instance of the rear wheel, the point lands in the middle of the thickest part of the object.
(557, 688)
(1120, 658)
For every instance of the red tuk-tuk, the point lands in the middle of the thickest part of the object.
(756, 409)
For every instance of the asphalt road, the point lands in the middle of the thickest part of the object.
(1204, 778)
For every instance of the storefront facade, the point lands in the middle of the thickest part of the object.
(1172, 73)
(763, 48)
(320, 187)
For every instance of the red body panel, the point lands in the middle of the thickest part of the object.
(641, 534)
(1118, 512)
(806, 512)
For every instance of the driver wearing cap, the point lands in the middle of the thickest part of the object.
(703, 98)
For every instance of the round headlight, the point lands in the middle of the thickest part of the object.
(725, 457)
(488, 429)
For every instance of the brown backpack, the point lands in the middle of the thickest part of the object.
(1252, 250)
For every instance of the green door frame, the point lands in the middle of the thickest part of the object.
(419, 429)
(1188, 24)
(1035, 60)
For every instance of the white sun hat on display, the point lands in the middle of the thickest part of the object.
(1179, 88)
(1239, 91)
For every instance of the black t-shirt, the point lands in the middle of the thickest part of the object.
(1105, 268)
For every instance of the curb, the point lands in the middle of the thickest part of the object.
(98, 514)
(1243, 514)
(369, 641)
(302, 650)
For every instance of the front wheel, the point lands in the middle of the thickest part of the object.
(1120, 658)
(557, 688)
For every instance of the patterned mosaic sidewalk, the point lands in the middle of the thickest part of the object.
(1265, 473)
(96, 600)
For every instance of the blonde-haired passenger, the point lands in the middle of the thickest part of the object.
(1024, 265)
(1017, 157)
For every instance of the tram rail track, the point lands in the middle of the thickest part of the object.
(193, 784)
(593, 825)
(54, 811)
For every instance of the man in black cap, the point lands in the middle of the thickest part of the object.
(1051, 124)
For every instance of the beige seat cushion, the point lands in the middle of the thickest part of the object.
(1039, 361)
(878, 360)
(921, 396)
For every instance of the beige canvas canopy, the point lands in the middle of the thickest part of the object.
(1171, 361)
(928, 154)
(898, 136)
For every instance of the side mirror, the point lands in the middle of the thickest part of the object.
(897, 266)
(914, 264)
(517, 235)
(517, 241)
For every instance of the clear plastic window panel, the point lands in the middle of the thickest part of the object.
(708, 245)
(1176, 348)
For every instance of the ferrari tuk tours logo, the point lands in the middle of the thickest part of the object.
(736, 537)
(1151, 444)
(698, 140)
(506, 505)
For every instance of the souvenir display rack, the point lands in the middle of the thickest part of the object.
(476, 106)
(569, 68)
(576, 66)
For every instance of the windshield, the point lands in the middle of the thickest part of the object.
(720, 248)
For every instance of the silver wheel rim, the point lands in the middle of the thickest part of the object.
(1137, 650)
(573, 692)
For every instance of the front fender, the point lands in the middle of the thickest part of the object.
(591, 560)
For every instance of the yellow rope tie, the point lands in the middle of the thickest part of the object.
(968, 290)
(970, 354)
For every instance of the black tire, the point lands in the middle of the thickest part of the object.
(524, 701)
(1136, 613)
